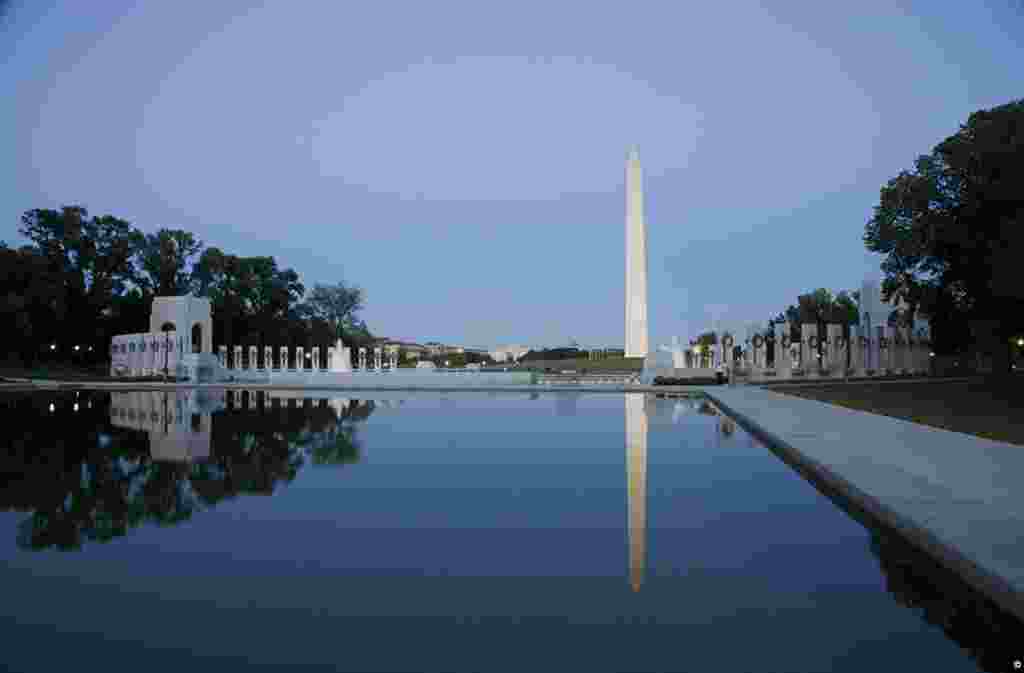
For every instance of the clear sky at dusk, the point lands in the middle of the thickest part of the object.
(464, 161)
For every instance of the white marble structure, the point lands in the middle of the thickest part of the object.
(300, 358)
(253, 354)
(180, 339)
(316, 358)
(636, 261)
(188, 315)
(377, 359)
(362, 358)
(268, 358)
(282, 363)
(222, 356)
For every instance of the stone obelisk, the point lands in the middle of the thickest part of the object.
(636, 260)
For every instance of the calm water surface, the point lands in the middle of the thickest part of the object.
(449, 531)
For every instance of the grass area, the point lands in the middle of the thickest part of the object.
(988, 408)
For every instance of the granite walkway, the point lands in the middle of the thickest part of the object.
(959, 497)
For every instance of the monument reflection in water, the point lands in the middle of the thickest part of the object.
(640, 409)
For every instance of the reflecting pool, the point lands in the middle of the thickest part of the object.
(219, 530)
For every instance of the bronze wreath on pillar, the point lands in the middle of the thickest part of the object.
(758, 341)
(812, 341)
(785, 341)
(840, 341)
(727, 341)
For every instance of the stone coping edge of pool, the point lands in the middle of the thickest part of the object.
(870, 512)
(521, 388)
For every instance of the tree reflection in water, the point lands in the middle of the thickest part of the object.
(990, 635)
(90, 466)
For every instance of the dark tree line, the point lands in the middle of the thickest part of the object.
(83, 279)
(952, 230)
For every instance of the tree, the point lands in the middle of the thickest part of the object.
(950, 230)
(93, 258)
(33, 300)
(337, 304)
(164, 259)
(250, 297)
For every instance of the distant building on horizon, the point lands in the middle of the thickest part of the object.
(510, 352)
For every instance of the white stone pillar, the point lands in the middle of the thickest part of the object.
(885, 349)
(858, 346)
(377, 361)
(237, 364)
(783, 365)
(300, 358)
(907, 355)
(268, 357)
(915, 352)
(394, 358)
(757, 342)
(836, 350)
(924, 346)
(222, 355)
(899, 347)
(874, 359)
(317, 365)
(283, 358)
(362, 358)
(253, 351)
(807, 360)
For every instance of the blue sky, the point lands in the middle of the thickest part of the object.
(394, 145)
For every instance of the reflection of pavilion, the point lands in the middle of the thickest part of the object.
(179, 424)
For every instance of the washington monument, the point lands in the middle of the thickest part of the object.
(636, 260)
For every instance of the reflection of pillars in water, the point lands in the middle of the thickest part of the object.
(636, 469)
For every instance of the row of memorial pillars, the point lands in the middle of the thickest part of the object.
(248, 358)
(378, 358)
(881, 350)
(301, 361)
